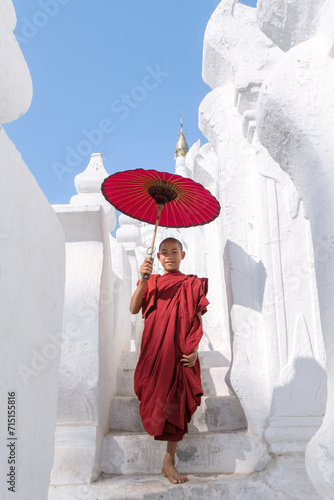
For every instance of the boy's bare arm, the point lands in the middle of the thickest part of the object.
(137, 298)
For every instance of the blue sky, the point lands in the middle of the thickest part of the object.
(109, 76)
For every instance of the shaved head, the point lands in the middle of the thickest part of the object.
(171, 240)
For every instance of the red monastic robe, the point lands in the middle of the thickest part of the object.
(169, 392)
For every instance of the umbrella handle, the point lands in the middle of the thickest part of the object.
(157, 222)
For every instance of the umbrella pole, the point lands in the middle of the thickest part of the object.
(157, 222)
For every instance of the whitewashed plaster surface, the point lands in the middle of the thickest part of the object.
(97, 327)
(290, 22)
(32, 273)
(278, 355)
(236, 51)
(15, 81)
(295, 123)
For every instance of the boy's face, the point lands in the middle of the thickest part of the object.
(170, 256)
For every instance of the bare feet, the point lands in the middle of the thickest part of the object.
(171, 472)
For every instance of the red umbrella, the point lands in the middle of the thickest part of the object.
(160, 198)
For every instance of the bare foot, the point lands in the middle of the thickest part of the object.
(171, 472)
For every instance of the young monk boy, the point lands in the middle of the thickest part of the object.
(167, 378)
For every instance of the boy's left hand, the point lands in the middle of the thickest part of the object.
(189, 360)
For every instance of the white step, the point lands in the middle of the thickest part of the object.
(216, 413)
(225, 453)
(213, 381)
(124, 414)
(284, 479)
(129, 360)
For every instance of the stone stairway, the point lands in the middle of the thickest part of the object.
(218, 455)
(273, 483)
(217, 440)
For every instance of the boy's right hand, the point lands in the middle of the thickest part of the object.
(146, 268)
(136, 301)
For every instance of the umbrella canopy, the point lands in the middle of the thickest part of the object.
(138, 193)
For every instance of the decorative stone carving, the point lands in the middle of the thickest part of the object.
(295, 122)
(236, 51)
(263, 306)
(288, 23)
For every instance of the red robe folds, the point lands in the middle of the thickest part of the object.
(168, 391)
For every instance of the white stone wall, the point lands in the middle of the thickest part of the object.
(288, 23)
(32, 268)
(265, 238)
(97, 327)
(295, 123)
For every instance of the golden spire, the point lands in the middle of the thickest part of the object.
(181, 148)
